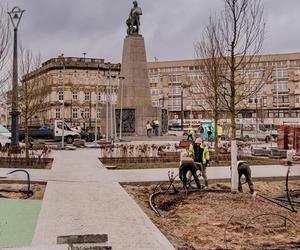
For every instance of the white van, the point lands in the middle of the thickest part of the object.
(69, 135)
(5, 136)
(249, 132)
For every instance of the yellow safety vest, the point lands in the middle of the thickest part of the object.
(148, 126)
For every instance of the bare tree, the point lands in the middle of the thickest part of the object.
(211, 68)
(5, 42)
(240, 37)
(33, 90)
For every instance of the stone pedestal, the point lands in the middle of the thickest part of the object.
(137, 106)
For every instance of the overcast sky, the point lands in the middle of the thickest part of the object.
(170, 27)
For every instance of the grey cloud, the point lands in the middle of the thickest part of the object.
(170, 27)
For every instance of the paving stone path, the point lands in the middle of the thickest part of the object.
(82, 197)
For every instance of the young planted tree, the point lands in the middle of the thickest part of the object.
(240, 36)
(33, 91)
(211, 68)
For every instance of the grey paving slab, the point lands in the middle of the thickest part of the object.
(96, 208)
(41, 247)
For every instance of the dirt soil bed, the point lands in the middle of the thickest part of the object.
(37, 189)
(22, 162)
(146, 165)
(198, 220)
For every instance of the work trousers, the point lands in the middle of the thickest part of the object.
(244, 169)
(202, 168)
(188, 166)
(149, 132)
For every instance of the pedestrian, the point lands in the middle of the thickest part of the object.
(209, 133)
(190, 133)
(148, 128)
(156, 127)
(187, 164)
(244, 169)
(200, 154)
(201, 130)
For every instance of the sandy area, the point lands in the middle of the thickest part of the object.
(38, 191)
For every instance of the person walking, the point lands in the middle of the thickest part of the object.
(190, 133)
(201, 130)
(156, 127)
(244, 169)
(200, 154)
(148, 128)
(209, 133)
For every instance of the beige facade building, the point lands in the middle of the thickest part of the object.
(277, 102)
(74, 81)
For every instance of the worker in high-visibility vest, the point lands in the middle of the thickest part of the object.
(199, 152)
(148, 128)
(190, 133)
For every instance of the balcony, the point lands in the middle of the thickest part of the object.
(281, 90)
(282, 105)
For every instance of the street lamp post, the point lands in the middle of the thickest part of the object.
(97, 105)
(15, 16)
(61, 57)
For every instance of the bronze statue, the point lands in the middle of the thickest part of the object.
(133, 22)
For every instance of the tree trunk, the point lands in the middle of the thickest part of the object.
(216, 141)
(234, 167)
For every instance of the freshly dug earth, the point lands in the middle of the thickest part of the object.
(147, 165)
(37, 189)
(198, 220)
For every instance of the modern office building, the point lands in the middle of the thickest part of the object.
(277, 102)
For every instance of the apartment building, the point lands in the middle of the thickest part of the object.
(82, 84)
(176, 86)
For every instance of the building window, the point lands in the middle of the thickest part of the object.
(174, 78)
(57, 113)
(98, 113)
(175, 102)
(87, 113)
(254, 100)
(155, 91)
(175, 90)
(87, 96)
(154, 79)
(280, 73)
(281, 86)
(60, 95)
(196, 77)
(252, 74)
(281, 99)
(155, 103)
(75, 95)
(297, 98)
(199, 101)
(74, 113)
(197, 89)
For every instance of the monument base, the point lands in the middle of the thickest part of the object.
(135, 90)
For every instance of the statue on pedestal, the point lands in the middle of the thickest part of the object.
(133, 22)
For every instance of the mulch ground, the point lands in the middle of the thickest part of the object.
(198, 220)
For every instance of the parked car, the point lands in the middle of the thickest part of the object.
(5, 136)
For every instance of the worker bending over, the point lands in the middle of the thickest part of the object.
(199, 152)
(244, 169)
(188, 165)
